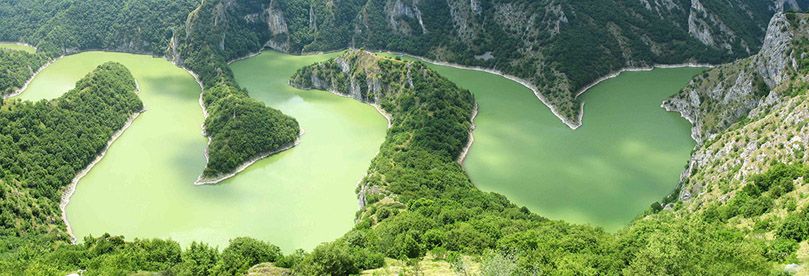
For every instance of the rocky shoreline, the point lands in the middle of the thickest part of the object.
(465, 151)
(569, 123)
(642, 69)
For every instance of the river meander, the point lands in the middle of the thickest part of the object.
(143, 188)
(628, 154)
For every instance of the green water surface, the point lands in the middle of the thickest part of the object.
(628, 153)
(143, 188)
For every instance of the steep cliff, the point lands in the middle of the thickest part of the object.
(749, 171)
(724, 95)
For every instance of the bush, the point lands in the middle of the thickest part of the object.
(243, 253)
(794, 227)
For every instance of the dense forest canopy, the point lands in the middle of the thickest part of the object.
(18, 67)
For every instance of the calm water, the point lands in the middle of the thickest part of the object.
(628, 153)
(144, 186)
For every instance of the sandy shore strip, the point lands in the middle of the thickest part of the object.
(246, 57)
(21, 44)
(71, 189)
(468, 146)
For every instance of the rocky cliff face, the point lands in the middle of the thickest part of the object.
(356, 74)
(726, 94)
(768, 90)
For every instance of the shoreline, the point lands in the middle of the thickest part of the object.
(201, 181)
(71, 189)
(19, 43)
(641, 69)
(472, 127)
(216, 180)
(31, 79)
(384, 114)
(570, 124)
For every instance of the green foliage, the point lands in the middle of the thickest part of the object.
(757, 197)
(781, 250)
(70, 25)
(667, 245)
(795, 226)
(338, 258)
(18, 67)
(198, 260)
(242, 253)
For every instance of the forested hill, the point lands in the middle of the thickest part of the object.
(558, 45)
(751, 170)
(43, 145)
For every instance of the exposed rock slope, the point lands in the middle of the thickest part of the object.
(722, 96)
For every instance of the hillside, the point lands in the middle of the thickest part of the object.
(741, 209)
(750, 170)
(746, 88)
(549, 43)
(19, 67)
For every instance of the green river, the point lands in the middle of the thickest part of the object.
(628, 154)
(144, 188)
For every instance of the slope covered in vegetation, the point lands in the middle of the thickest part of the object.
(18, 67)
(750, 171)
(418, 200)
(559, 46)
